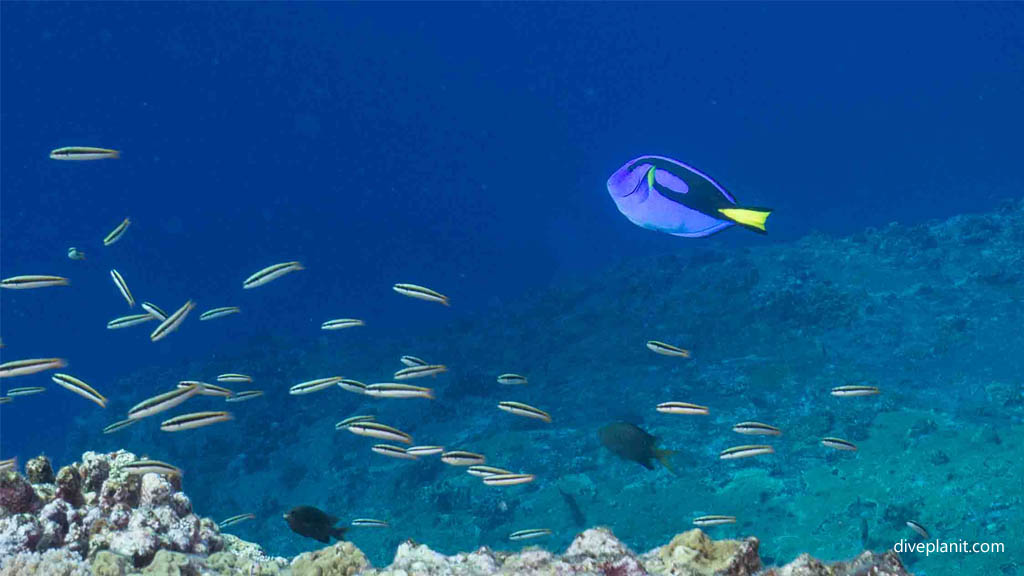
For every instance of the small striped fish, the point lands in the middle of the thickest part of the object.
(30, 366)
(682, 408)
(122, 286)
(26, 391)
(508, 479)
(81, 388)
(393, 451)
(151, 467)
(529, 534)
(353, 420)
(511, 379)
(172, 322)
(75, 254)
(380, 431)
(269, 273)
(667, 349)
(9, 464)
(227, 522)
(485, 471)
(713, 520)
(853, 391)
(206, 389)
(737, 452)
(243, 396)
(462, 458)
(412, 361)
(83, 153)
(162, 402)
(916, 527)
(392, 390)
(756, 429)
(421, 293)
(314, 385)
(154, 311)
(117, 232)
(33, 281)
(234, 378)
(839, 444)
(425, 450)
(420, 371)
(369, 523)
(194, 420)
(219, 313)
(354, 386)
(520, 409)
(118, 426)
(340, 323)
(126, 321)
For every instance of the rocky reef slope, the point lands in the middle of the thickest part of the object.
(95, 517)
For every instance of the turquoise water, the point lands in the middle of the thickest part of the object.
(466, 149)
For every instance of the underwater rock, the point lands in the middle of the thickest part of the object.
(147, 527)
(16, 494)
(39, 470)
(341, 559)
(695, 553)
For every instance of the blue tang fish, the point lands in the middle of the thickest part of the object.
(662, 194)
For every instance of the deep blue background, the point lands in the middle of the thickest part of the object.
(464, 147)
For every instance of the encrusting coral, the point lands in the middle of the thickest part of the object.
(94, 517)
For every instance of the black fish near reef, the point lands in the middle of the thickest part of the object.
(630, 442)
(314, 523)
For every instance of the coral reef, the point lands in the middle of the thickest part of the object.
(126, 524)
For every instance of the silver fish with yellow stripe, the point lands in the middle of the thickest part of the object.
(411, 372)
(269, 273)
(194, 420)
(311, 386)
(33, 281)
(511, 379)
(394, 390)
(463, 458)
(529, 534)
(81, 388)
(83, 153)
(713, 520)
(30, 366)
(520, 409)
(154, 311)
(380, 431)
(393, 451)
(127, 321)
(340, 323)
(421, 293)
(747, 451)
(667, 349)
(172, 322)
(839, 444)
(756, 429)
(682, 408)
(141, 467)
(117, 232)
(219, 313)
(162, 402)
(508, 479)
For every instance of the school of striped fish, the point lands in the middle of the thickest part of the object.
(413, 368)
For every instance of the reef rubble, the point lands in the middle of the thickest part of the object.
(94, 517)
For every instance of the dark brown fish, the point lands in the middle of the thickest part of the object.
(630, 442)
(314, 523)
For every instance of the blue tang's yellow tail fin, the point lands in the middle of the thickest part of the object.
(753, 218)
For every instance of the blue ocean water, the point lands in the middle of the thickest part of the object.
(465, 147)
